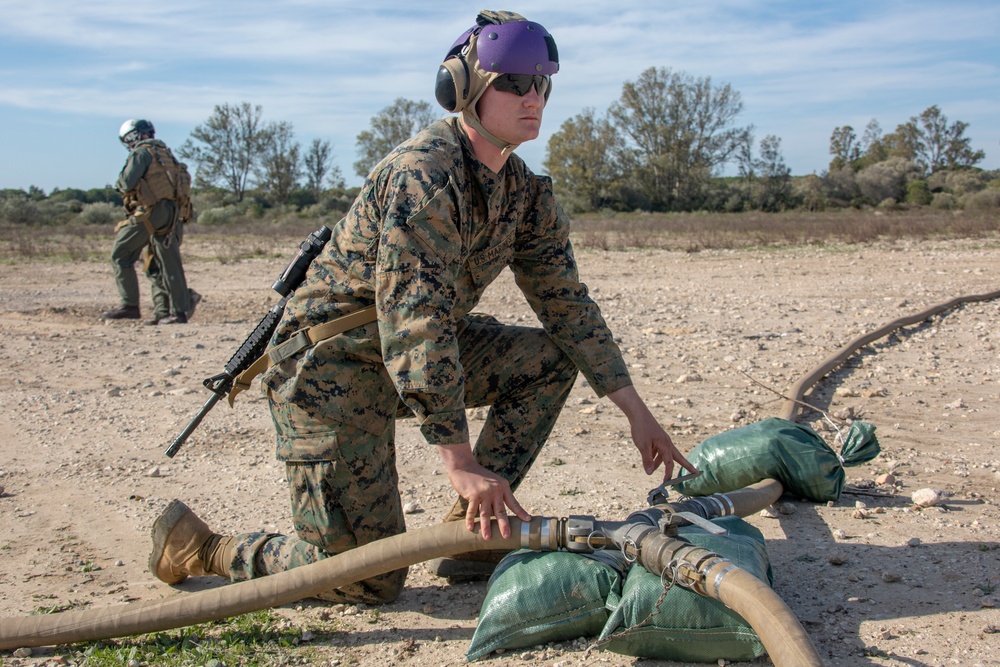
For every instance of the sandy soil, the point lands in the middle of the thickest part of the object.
(89, 408)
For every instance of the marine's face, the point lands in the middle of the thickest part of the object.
(510, 117)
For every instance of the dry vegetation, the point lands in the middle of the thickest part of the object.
(705, 231)
(691, 232)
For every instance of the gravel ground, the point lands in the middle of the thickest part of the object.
(712, 338)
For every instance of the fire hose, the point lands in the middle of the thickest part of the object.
(806, 382)
(650, 536)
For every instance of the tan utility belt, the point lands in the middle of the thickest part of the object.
(301, 340)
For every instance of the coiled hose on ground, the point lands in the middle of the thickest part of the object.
(794, 398)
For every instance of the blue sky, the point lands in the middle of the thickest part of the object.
(71, 72)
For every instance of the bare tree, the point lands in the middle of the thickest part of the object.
(318, 167)
(872, 146)
(775, 177)
(228, 144)
(767, 179)
(853, 153)
(935, 144)
(844, 147)
(389, 128)
(279, 167)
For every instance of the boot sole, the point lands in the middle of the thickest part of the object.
(477, 567)
(162, 528)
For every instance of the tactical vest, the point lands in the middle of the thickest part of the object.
(166, 178)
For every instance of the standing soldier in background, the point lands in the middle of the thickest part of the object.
(156, 190)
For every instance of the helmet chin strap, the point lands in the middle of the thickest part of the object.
(470, 115)
(472, 119)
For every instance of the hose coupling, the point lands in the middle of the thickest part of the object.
(584, 536)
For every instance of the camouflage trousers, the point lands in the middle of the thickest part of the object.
(353, 498)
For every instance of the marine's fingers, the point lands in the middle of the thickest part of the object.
(517, 509)
(471, 514)
(485, 527)
(503, 523)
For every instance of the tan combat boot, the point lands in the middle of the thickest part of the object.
(470, 566)
(458, 511)
(184, 545)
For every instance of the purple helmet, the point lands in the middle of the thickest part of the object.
(499, 43)
(520, 47)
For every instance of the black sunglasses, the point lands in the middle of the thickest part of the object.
(520, 84)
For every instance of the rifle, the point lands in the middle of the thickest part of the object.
(256, 343)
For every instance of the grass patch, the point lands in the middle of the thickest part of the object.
(61, 243)
(258, 638)
(57, 607)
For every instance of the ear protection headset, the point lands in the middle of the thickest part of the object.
(499, 43)
(453, 86)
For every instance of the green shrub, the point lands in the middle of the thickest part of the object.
(958, 181)
(886, 180)
(810, 191)
(101, 213)
(301, 198)
(20, 211)
(984, 200)
(918, 192)
(218, 216)
(839, 187)
(944, 201)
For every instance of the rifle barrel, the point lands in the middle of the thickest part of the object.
(192, 425)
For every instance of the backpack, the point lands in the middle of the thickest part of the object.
(185, 209)
(166, 178)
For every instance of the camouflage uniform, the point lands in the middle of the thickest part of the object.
(164, 269)
(430, 230)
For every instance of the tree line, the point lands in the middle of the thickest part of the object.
(235, 149)
(660, 147)
(663, 145)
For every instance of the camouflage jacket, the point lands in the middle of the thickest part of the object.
(431, 228)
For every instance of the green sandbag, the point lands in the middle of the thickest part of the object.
(776, 448)
(686, 626)
(537, 597)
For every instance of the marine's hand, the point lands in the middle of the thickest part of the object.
(653, 443)
(656, 447)
(489, 495)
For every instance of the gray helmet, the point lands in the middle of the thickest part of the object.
(133, 130)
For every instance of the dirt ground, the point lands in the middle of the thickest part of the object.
(89, 408)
